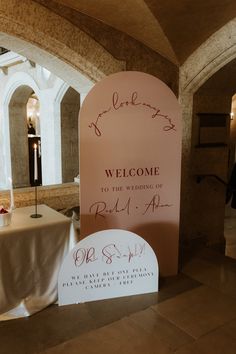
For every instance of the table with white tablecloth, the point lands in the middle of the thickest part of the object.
(31, 254)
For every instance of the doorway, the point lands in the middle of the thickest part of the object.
(230, 210)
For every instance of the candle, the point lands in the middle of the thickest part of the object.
(12, 206)
(35, 163)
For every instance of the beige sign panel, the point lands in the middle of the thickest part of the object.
(130, 162)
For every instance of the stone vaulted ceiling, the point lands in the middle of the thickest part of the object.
(173, 28)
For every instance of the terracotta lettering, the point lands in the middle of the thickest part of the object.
(132, 172)
(132, 101)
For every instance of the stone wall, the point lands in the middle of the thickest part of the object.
(59, 197)
(209, 167)
(207, 60)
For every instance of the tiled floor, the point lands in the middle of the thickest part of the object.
(193, 313)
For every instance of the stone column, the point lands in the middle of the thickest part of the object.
(50, 138)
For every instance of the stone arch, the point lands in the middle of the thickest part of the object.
(67, 105)
(50, 95)
(54, 43)
(16, 80)
(17, 92)
(211, 56)
(19, 136)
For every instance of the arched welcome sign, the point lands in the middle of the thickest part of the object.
(130, 162)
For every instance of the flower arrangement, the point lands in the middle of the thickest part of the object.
(5, 216)
(3, 210)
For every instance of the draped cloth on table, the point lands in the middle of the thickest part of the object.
(31, 254)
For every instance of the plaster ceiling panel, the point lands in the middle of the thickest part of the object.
(173, 28)
(132, 17)
(189, 23)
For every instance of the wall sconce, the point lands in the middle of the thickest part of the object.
(231, 115)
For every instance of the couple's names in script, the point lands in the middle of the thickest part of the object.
(103, 208)
(132, 101)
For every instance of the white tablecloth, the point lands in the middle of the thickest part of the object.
(31, 254)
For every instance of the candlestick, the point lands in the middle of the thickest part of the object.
(12, 206)
(35, 163)
(36, 214)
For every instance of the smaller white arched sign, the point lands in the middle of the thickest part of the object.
(108, 264)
